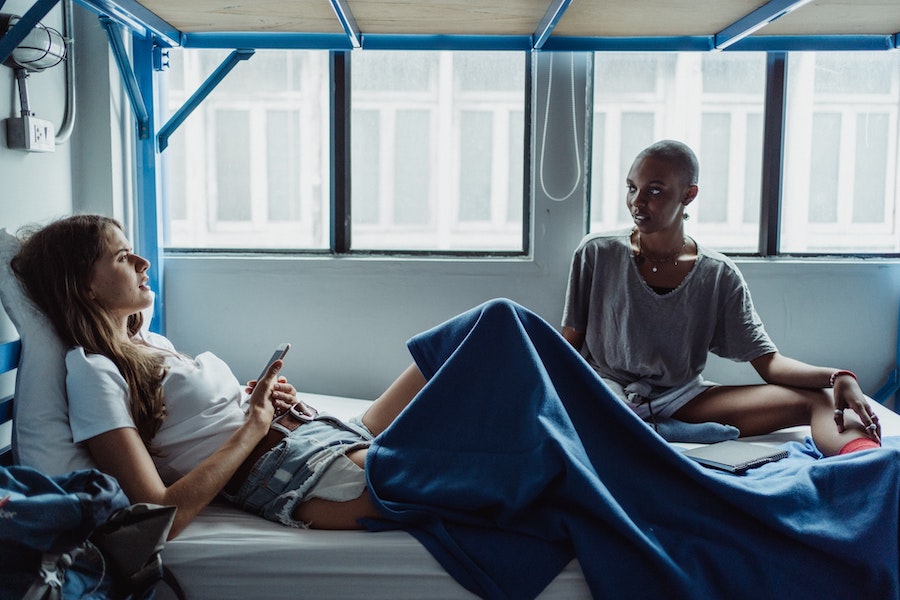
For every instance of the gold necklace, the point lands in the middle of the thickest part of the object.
(657, 261)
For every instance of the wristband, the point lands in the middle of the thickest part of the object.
(837, 374)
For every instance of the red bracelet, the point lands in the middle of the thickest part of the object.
(837, 374)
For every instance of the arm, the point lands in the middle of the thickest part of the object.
(576, 338)
(122, 454)
(779, 369)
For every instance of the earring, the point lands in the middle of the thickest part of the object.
(685, 216)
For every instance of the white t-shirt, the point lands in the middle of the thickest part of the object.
(204, 405)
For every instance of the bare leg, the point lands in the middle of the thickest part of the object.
(761, 409)
(394, 399)
(329, 514)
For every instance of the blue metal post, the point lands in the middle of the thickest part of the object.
(149, 218)
(138, 104)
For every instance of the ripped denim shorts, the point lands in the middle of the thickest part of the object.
(286, 475)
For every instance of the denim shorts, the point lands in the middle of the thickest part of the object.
(284, 476)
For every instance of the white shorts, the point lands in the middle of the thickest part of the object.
(666, 404)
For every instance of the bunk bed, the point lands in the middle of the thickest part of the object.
(225, 553)
(152, 26)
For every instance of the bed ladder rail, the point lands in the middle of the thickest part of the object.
(9, 361)
(891, 387)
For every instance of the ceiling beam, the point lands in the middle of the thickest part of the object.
(345, 16)
(759, 18)
(548, 22)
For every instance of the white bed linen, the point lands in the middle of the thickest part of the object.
(226, 553)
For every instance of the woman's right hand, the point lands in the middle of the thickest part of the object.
(264, 395)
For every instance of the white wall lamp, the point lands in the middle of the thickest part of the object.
(42, 48)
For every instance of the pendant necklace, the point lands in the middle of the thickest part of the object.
(657, 261)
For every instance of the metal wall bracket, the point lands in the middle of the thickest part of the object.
(202, 92)
(113, 32)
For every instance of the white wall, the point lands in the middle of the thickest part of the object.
(87, 171)
(33, 186)
(348, 318)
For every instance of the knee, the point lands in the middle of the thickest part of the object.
(503, 304)
(500, 307)
(817, 400)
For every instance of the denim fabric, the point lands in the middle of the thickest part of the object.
(284, 476)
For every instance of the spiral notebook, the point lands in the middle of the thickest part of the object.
(735, 456)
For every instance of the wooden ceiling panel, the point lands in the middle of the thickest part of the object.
(449, 17)
(825, 17)
(196, 16)
(632, 18)
(582, 18)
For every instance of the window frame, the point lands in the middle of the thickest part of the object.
(775, 100)
(340, 202)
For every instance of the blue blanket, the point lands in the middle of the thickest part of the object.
(515, 459)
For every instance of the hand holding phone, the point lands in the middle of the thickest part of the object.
(279, 353)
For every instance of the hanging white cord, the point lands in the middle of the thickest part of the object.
(574, 131)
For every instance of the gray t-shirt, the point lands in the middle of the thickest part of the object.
(635, 334)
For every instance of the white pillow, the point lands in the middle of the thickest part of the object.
(41, 435)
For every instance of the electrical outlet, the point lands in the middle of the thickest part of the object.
(31, 134)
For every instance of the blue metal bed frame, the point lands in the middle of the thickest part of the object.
(10, 352)
(891, 387)
(9, 361)
(151, 35)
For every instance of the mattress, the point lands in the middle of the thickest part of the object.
(227, 553)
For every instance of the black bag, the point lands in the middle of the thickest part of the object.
(77, 536)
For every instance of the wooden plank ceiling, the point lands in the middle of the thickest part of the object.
(581, 18)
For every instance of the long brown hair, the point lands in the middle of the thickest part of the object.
(55, 265)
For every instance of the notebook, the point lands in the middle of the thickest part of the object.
(735, 456)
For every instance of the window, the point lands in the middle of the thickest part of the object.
(841, 153)
(249, 168)
(841, 171)
(436, 152)
(711, 101)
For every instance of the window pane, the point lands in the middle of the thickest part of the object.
(411, 168)
(824, 165)
(437, 151)
(711, 101)
(515, 196)
(475, 174)
(283, 191)
(753, 154)
(232, 162)
(365, 144)
(841, 153)
(249, 166)
(715, 142)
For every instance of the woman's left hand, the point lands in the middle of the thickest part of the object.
(847, 394)
(283, 396)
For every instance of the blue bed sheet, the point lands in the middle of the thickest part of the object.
(515, 459)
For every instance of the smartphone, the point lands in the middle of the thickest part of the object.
(279, 353)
